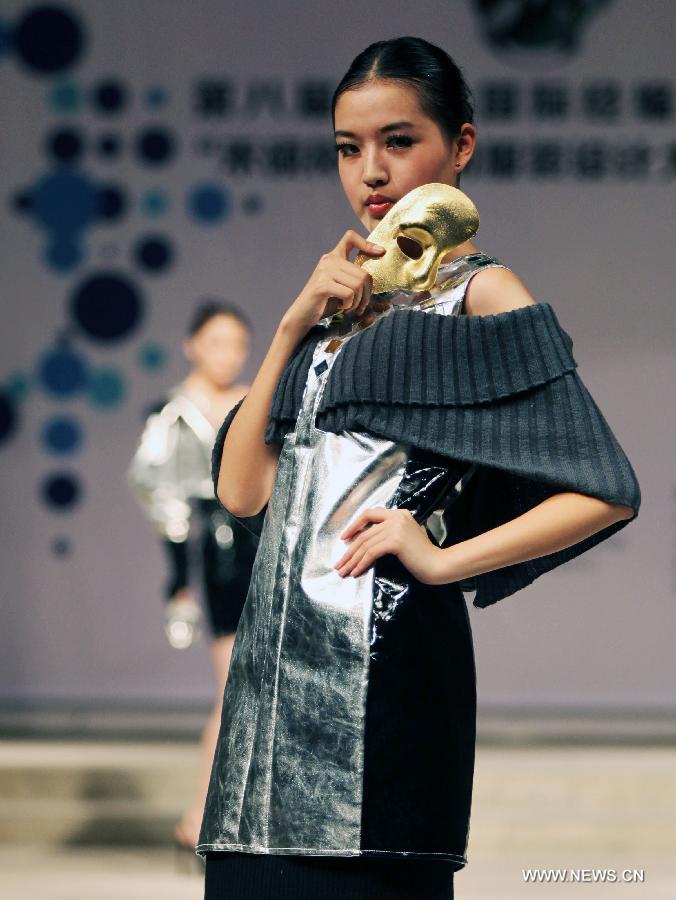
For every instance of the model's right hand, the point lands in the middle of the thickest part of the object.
(336, 284)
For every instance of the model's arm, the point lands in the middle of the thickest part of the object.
(248, 464)
(558, 522)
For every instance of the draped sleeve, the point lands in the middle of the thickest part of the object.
(557, 440)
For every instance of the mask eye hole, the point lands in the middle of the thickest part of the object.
(409, 247)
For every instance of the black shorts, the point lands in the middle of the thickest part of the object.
(228, 551)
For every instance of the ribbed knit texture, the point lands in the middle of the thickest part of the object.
(411, 357)
(501, 391)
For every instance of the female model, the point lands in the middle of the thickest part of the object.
(398, 458)
(170, 474)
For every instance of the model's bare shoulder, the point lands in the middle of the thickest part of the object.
(495, 290)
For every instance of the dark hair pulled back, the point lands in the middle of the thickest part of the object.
(212, 307)
(443, 92)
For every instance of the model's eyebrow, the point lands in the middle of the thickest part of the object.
(393, 126)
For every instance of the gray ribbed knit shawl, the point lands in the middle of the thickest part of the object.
(501, 391)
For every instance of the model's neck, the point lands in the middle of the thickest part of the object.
(197, 381)
(461, 250)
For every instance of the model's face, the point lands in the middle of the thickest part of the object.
(388, 146)
(220, 349)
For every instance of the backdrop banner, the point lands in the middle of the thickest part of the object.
(158, 153)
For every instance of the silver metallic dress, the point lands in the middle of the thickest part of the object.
(349, 715)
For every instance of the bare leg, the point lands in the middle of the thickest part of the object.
(188, 828)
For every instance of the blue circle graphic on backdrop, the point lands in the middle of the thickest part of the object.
(109, 97)
(8, 416)
(65, 145)
(106, 389)
(112, 202)
(17, 386)
(6, 38)
(252, 204)
(62, 372)
(152, 357)
(155, 97)
(61, 547)
(107, 306)
(108, 146)
(65, 97)
(154, 202)
(64, 203)
(65, 200)
(48, 39)
(63, 254)
(153, 253)
(62, 435)
(155, 146)
(61, 491)
(209, 204)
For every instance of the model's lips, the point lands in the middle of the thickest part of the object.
(377, 204)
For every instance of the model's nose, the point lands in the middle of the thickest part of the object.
(375, 172)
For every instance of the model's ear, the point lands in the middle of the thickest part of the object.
(187, 350)
(464, 147)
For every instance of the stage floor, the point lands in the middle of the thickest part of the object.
(84, 819)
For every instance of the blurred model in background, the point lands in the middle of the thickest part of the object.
(170, 474)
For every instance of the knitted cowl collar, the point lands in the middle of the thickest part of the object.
(430, 360)
(500, 391)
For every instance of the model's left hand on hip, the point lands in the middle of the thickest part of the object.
(381, 530)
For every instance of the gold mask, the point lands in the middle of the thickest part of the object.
(417, 232)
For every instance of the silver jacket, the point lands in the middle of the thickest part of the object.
(348, 722)
(172, 463)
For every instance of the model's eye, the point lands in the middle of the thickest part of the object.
(346, 149)
(399, 140)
